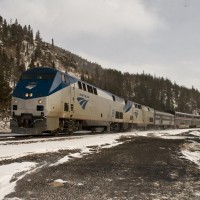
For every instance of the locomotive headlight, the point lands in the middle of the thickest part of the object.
(26, 95)
(15, 101)
(31, 94)
(40, 101)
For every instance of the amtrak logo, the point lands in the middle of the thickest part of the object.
(82, 101)
(30, 87)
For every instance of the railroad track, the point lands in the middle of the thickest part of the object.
(6, 136)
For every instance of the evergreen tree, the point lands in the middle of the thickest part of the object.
(37, 37)
(52, 42)
(1, 20)
(5, 33)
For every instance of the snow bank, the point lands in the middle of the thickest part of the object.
(8, 172)
(191, 151)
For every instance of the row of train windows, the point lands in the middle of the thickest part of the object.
(138, 106)
(88, 88)
(196, 117)
(185, 116)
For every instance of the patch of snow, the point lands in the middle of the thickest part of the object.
(69, 182)
(5, 125)
(85, 144)
(60, 181)
(191, 151)
(7, 172)
(197, 194)
(195, 133)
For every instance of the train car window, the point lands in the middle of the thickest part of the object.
(79, 85)
(113, 97)
(95, 91)
(84, 87)
(121, 115)
(126, 101)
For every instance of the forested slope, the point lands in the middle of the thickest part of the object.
(20, 50)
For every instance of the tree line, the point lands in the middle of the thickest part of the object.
(156, 92)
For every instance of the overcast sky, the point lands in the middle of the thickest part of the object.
(160, 37)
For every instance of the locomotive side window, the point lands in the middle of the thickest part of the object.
(95, 91)
(84, 86)
(79, 85)
(113, 97)
(89, 89)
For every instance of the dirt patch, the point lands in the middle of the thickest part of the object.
(140, 168)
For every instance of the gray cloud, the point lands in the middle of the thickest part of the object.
(155, 36)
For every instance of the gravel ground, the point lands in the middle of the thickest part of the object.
(140, 168)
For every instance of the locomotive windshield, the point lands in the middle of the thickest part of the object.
(43, 76)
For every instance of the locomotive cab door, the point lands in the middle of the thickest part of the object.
(72, 98)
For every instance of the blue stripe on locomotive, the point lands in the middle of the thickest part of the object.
(41, 87)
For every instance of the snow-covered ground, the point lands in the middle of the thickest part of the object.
(19, 148)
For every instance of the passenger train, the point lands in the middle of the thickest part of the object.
(48, 100)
